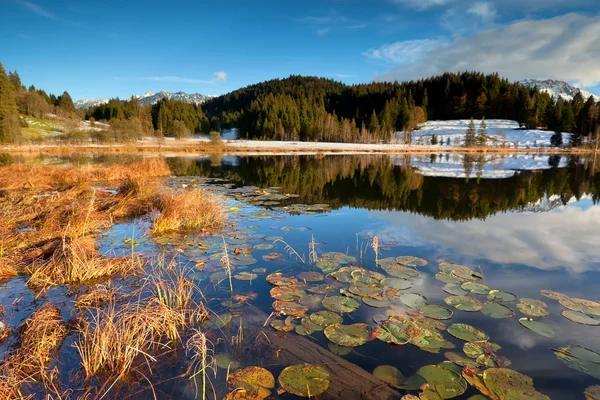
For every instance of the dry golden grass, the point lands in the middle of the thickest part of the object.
(97, 296)
(186, 211)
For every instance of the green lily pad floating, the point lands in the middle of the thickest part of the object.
(467, 333)
(347, 335)
(245, 276)
(447, 383)
(436, 312)
(461, 360)
(475, 349)
(400, 271)
(340, 304)
(413, 383)
(496, 310)
(199, 276)
(339, 350)
(551, 294)
(501, 296)
(217, 321)
(394, 332)
(217, 277)
(537, 326)
(580, 359)
(285, 293)
(304, 380)
(303, 331)
(533, 307)
(396, 283)
(263, 247)
(592, 393)
(282, 326)
(389, 374)
(581, 318)
(413, 300)
(504, 383)
(454, 290)
(322, 289)
(448, 278)
(460, 271)
(451, 366)
(311, 276)
(411, 261)
(224, 361)
(254, 379)
(588, 307)
(464, 303)
(475, 288)
(366, 291)
(310, 326)
(325, 318)
(375, 303)
(277, 279)
(289, 308)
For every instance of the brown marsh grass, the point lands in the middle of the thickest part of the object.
(189, 210)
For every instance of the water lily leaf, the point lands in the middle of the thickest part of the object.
(290, 308)
(199, 276)
(347, 335)
(553, 295)
(218, 277)
(389, 374)
(217, 321)
(436, 312)
(303, 331)
(464, 303)
(592, 393)
(475, 288)
(311, 276)
(413, 300)
(282, 326)
(224, 361)
(467, 333)
(339, 350)
(285, 293)
(537, 326)
(398, 333)
(245, 276)
(454, 290)
(322, 289)
(364, 277)
(478, 397)
(259, 270)
(429, 392)
(460, 271)
(341, 304)
(505, 384)
(447, 383)
(582, 305)
(396, 283)
(581, 318)
(376, 303)
(304, 380)
(310, 326)
(271, 256)
(461, 361)
(451, 366)
(400, 271)
(413, 383)
(254, 379)
(501, 296)
(448, 278)
(411, 261)
(581, 353)
(312, 301)
(533, 307)
(325, 318)
(498, 311)
(366, 291)
(277, 279)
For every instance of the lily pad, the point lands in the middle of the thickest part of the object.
(304, 380)
(533, 307)
(375, 303)
(553, 295)
(447, 383)
(245, 276)
(504, 383)
(311, 276)
(461, 360)
(501, 295)
(396, 283)
(475, 288)
(454, 290)
(475, 350)
(581, 318)
(366, 291)
(592, 393)
(325, 318)
(464, 303)
(282, 326)
(339, 350)
(496, 310)
(413, 383)
(277, 279)
(413, 300)
(254, 379)
(285, 293)
(290, 308)
(217, 321)
(400, 271)
(398, 333)
(411, 261)
(449, 278)
(347, 335)
(467, 333)
(436, 312)
(537, 326)
(341, 304)
(271, 256)
(312, 301)
(224, 361)
(588, 307)
(389, 374)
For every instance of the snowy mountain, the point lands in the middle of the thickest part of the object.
(557, 89)
(149, 98)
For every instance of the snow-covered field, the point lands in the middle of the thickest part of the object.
(499, 131)
(492, 166)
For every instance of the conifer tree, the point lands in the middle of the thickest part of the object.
(556, 140)
(470, 134)
(10, 129)
(481, 134)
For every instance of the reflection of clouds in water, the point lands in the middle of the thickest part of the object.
(566, 237)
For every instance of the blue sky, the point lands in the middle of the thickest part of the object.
(119, 48)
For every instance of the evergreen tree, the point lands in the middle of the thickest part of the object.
(556, 140)
(10, 129)
(15, 79)
(434, 139)
(65, 102)
(470, 139)
(481, 134)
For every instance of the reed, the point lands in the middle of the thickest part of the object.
(188, 211)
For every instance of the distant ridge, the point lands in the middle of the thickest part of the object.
(557, 89)
(149, 98)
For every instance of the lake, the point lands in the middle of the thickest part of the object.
(493, 232)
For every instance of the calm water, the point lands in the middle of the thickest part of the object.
(527, 223)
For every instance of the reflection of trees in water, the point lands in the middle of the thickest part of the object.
(386, 183)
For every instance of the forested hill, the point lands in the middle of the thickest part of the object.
(311, 108)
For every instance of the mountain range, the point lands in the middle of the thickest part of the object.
(557, 89)
(149, 98)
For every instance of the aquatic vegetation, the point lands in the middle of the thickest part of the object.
(253, 379)
(504, 383)
(580, 359)
(389, 374)
(533, 307)
(467, 333)
(445, 382)
(537, 327)
(347, 335)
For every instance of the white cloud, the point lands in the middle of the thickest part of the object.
(422, 4)
(484, 10)
(39, 10)
(564, 47)
(217, 77)
(408, 51)
(332, 22)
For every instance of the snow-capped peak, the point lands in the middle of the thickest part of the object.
(149, 98)
(557, 89)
